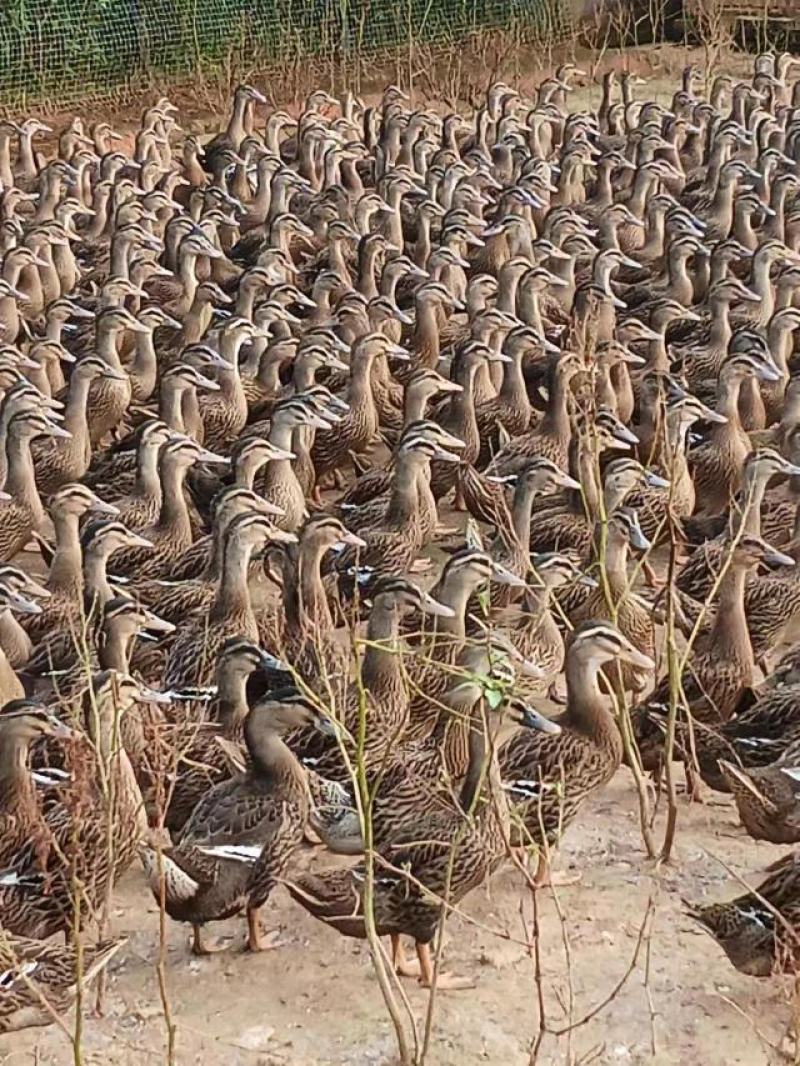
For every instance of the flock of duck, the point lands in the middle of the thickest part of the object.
(226, 617)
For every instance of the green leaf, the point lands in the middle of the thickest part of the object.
(494, 697)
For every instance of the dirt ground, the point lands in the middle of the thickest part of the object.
(314, 999)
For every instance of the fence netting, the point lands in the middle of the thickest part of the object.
(60, 50)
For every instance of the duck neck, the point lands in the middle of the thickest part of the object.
(171, 405)
(747, 515)
(187, 276)
(728, 403)
(95, 577)
(403, 501)
(422, 245)
(556, 421)
(65, 574)
(653, 247)
(311, 599)
(269, 756)
(114, 650)
(761, 285)
(587, 707)
(720, 332)
(521, 511)
(775, 226)
(382, 665)
(106, 345)
(641, 187)
(729, 636)
(483, 774)
(513, 391)
(359, 392)
(75, 411)
(230, 708)
(529, 309)
(367, 283)
(148, 483)
(144, 367)
(233, 594)
(20, 474)
(17, 790)
(722, 205)
(616, 564)
(174, 514)
(236, 130)
(426, 336)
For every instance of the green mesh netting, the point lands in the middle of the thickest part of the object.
(61, 50)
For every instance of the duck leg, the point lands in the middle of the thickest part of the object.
(444, 981)
(200, 947)
(546, 878)
(257, 940)
(403, 966)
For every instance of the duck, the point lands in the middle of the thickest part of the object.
(239, 839)
(58, 649)
(41, 981)
(612, 597)
(359, 426)
(717, 464)
(203, 761)
(191, 658)
(57, 459)
(23, 723)
(172, 533)
(464, 845)
(766, 798)
(36, 894)
(722, 663)
(22, 510)
(381, 681)
(548, 777)
(755, 930)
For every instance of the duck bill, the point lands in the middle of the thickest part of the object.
(101, 507)
(205, 456)
(21, 605)
(136, 540)
(58, 431)
(503, 576)
(282, 536)
(443, 456)
(60, 730)
(634, 657)
(325, 725)
(33, 588)
(566, 481)
(206, 384)
(271, 509)
(158, 625)
(775, 558)
(277, 454)
(625, 435)
(714, 416)
(639, 541)
(532, 719)
(353, 540)
(150, 695)
(434, 607)
(528, 668)
(656, 481)
(269, 662)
